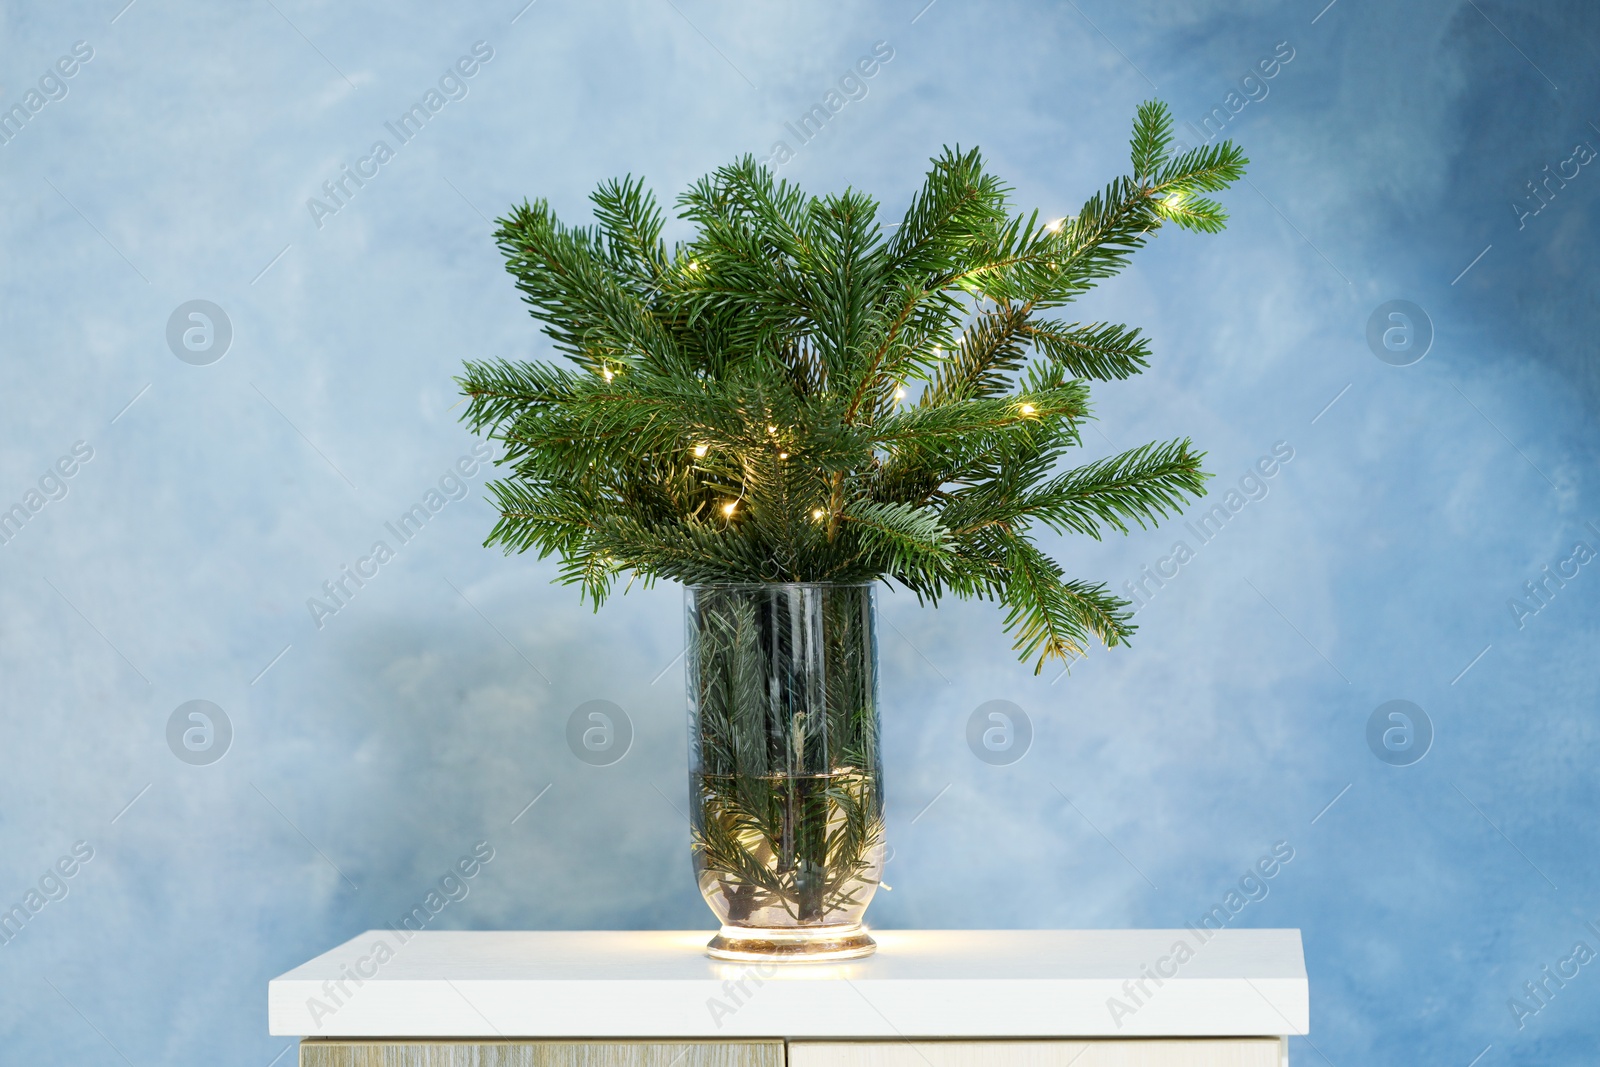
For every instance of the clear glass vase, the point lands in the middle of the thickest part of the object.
(785, 779)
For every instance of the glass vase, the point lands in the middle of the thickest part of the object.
(785, 779)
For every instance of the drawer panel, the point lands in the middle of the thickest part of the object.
(541, 1054)
(1141, 1052)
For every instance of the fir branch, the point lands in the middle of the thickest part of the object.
(631, 221)
(899, 538)
(1152, 136)
(734, 408)
(1100, 351)
(989, 351)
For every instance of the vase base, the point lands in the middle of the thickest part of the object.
(748, 945)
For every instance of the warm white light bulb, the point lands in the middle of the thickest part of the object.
(608, 374)
(817, 514)
(772, 429)
(1054, 225)
(727, 509)
(783, 455)
(1027, 409)
(900, 392)
(700, 450)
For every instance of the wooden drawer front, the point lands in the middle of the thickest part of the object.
(1139, 1052)
(541, 1054)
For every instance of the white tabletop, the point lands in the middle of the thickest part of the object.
(921, 984)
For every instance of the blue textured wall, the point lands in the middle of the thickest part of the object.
(208, 501)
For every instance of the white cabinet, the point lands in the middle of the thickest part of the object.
(934, 998)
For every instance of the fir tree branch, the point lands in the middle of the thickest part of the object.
(731, 409)
(989, 350)
(1100, 351)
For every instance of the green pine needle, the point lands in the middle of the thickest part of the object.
(802, 392)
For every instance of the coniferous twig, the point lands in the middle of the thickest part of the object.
(737, 405)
